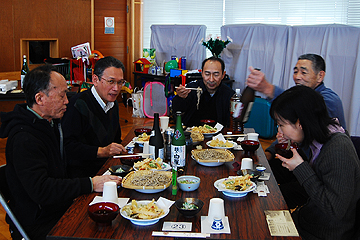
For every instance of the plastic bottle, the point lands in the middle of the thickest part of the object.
(24, 70)
(234, 101)
(240, 112)
(178, 146)
(156, 141)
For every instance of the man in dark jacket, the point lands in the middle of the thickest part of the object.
(214, 102)
(35, 160)
(91, 125)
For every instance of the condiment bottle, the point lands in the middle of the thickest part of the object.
(174, 179)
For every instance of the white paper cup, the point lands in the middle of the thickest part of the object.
(164, 123)
(253, 136)
(216, 210)
(247, 163)
(110, 192)
(146, 147)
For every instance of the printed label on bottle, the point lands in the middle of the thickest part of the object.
(152, 152)
(22, 80)
(177, 134)
(238, 109)
(178, 156)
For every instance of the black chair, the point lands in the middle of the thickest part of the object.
(356, 142)
(4, 199)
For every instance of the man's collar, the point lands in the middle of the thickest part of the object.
(38, 115)
(105, 107)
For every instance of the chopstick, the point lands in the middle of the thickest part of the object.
(235, 135)
(181, 234)
(190, 88)
(132, 155)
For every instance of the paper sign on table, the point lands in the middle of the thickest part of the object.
(280, 223)
(177, 226)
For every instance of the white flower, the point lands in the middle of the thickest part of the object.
(208, 38)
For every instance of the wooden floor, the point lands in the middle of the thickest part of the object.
(126, 123)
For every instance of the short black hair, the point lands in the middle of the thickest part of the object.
(37, 80)
(318, 63)
(308, 106)
(106, 62)
(213, 58)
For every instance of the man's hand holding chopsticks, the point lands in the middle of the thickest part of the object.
(182, 91)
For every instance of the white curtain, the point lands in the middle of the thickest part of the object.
(275, 49)
(179, 40)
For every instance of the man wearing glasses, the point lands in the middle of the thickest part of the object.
(91, 124)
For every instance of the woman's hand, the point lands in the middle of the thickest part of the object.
(293, 162)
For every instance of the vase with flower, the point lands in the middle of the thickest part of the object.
(215, 45)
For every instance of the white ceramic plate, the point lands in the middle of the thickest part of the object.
(232, 193)
(209, 135)
(208, 164)
(164, 167)
(139, 142)
(233, 145)
(150, 190)
(236, 195)
(143, 222)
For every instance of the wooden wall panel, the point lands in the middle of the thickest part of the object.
(112, 44)
(74, 24)
(7, 62)
(67, 20)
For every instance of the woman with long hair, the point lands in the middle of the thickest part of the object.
(331, 176)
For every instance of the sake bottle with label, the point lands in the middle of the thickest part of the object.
(156, 141)
(178, 146)
(24, 70)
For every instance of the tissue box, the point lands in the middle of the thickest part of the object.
(6, 85)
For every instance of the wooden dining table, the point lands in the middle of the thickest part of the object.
(245, 214)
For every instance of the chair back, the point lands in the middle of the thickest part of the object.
(356, 142)
(4, 199)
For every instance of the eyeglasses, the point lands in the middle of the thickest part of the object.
(113, 82)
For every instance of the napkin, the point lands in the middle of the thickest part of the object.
(121, 201)
(206, 226)
(218, 127)
(164, 203)
(220, 137)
